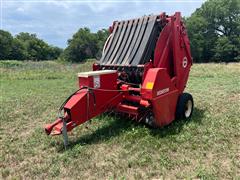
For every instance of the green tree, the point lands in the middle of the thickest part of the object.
(6, 41)
(214, 31)
(37, 49)
(26, 46)
(226, 49)
(18, 50)
(54, 52)
(102, 36)
(197, 26)
(83, 45)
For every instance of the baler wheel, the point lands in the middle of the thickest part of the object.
(184, 106)
(150, 120)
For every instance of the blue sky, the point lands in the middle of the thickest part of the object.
(55, 21)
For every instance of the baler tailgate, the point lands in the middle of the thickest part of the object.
(130, 41)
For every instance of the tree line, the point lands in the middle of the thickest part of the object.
(213, 29)
(25, 46)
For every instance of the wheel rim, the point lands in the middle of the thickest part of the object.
(150, 119)
(188, 109)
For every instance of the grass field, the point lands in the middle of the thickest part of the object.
(207, 146)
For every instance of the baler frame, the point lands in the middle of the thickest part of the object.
(146, 83)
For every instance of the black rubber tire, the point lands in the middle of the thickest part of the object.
(183, 106)
(150, 121)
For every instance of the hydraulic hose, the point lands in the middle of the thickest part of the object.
(63, 104)
(97, 89)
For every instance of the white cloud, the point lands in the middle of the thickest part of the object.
(63, 4)
(100, 7)
(56, 20)
(20, 9)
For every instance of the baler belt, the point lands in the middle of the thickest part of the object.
(129, 42)
(115, 36)
(133, 42)
(124, 41)
(142, 45)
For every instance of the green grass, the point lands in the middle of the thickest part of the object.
(207, 146)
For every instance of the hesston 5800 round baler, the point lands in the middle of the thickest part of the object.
(142, 73)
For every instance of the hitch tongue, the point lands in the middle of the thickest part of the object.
(49, 127)
(56, 127)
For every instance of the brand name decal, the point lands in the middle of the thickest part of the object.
(162, 91)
